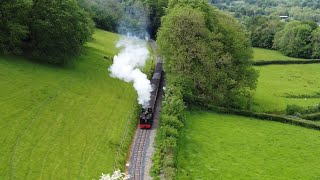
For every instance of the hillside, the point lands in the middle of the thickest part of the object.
(63, 123)
(216, 146)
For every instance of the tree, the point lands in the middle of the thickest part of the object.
(295, 39)
(207, 54)
(13, 25)
(262, 30)
(157, 10)
(316, 43)
(105, 13)
(58, 29)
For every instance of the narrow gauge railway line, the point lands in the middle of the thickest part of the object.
(139, 162)
(138, 155)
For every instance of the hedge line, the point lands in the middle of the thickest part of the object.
(270, 117)
(313, 116)
(279, 62)
(171, 122)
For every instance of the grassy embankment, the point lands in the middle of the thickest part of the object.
(63, 122)
(270, 55)
(216, 146)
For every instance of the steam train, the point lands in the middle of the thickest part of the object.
(146, 115)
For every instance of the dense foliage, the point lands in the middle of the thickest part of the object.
(127, 16)
(105, 13)
(13, 27)
(207, 53)
(296, 39)
(52, 30)
(262, 30)
(172, 118)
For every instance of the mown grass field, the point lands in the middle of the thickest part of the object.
(280, 85)
(269, 55)
(216, 146)
(62, 122)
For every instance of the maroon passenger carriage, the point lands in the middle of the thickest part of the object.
(146, 115)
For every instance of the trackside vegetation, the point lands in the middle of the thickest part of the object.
(65, 122)
(172, 119)
(218, 146)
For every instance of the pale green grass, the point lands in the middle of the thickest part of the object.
(276, 82)
(269, 55)
(62, 123)
(218, 146)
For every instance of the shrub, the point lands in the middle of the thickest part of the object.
(171, 121)
(294, 109)
(169, 131)
(169, 173)
(168, 161)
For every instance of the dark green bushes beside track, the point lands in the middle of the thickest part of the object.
(172, 117)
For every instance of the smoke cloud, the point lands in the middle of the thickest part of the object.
(133, 54)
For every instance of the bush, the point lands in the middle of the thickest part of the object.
(172, 117)
(172, 121)
(169, 131)
(294, 109)
(168, 161)
(169, 173)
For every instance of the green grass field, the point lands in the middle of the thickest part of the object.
(62, 123)
(279, 85)
(218, 146)
(267, 54)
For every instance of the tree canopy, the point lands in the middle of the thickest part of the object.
(295, 39)
(207, 53)
(51, 30)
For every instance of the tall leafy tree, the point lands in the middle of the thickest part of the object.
(295, 39)
(105, 13)
(58, 29)
(316, 43)
(157, 10)
(208, 53)
(262, 30)
(13, 25)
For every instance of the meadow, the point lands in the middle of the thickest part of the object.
(63, 122)
(280, 85)
(219, 146)
(269, 55)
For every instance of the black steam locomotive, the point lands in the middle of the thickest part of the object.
(146, 115)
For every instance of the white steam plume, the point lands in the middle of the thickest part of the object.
(134, 54)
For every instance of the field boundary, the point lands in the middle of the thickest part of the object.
(269, 117)
(284, 62)
(121, 153)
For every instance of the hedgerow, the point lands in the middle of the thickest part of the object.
(264, 116)
(172, 118)
(281, 62)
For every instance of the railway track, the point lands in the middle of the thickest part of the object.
(139, 163)
(137, 169)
